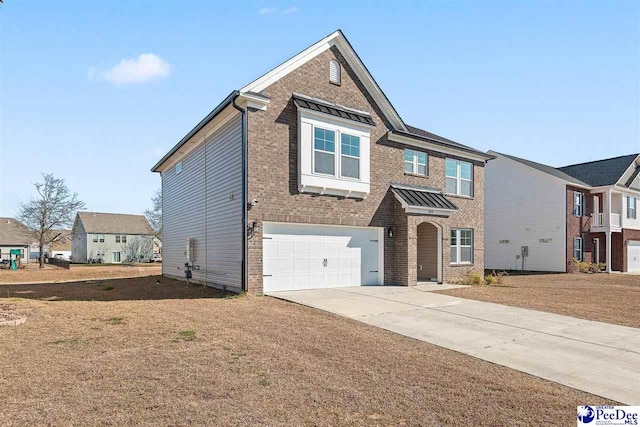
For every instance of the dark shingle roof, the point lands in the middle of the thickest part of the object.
(332, 109)
(421, 133)
(13, 232)
(422, 197)
(544, 168)
(600, 172)
(110, 223)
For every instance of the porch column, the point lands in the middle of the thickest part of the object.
(608, 234)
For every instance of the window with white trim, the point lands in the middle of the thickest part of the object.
(102, 238)
(95, 238)
(334, 71)
(461, 246)
(459, 178)
(324, 149)
(117, 238)
(577, 248)
(578, 203)
(178, 168)
(349, 156)
(632, 210)
(416, 162)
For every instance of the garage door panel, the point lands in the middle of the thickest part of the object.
(633, 256)
(303, 256)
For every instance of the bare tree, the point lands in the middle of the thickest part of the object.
(54, 208)
(138, 249)
(154, 215)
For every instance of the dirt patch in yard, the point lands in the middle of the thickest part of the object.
(50, 273)
(247, 361)
(610, 298)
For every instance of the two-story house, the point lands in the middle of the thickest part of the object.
(111, 238)
(541, 218)
(308, 178)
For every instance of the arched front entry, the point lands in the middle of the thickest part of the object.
(429, 253)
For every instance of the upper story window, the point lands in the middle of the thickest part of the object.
(178, 168)
(349, 156)
(415, 162)
(578, 203)
(121, 239)
(459, 178)
(102, 238)
(95, 238)
(324, 148)
(334, 71)
(632, 207)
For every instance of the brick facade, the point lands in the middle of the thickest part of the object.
(273, 180)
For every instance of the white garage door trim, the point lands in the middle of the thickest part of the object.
(633, 250)
(323, 244)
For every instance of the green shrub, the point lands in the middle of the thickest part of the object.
(489, 279)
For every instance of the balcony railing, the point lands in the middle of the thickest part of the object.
(600, 220)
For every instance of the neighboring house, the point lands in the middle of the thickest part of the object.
(61, 245)
(587, 211)
(14, 235)
(109, 237)
(308, 178)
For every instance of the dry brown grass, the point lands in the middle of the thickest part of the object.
(610, 298)
(201, 359)
(31, 273)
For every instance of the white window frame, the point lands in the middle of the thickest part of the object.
(337, 153)
(632, 213)
(458, 247)
(415, 163)
(459, 178)
(578, 203)
(349, 155)
(579, 249)
(95, 238)
(178, 167)
(101, 238)
(123, 238)
(117, 238)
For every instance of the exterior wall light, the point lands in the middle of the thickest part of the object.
(391, 231)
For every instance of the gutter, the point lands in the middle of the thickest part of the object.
(245, 241)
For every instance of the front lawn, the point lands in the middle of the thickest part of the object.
(168, 354)
(611, 298)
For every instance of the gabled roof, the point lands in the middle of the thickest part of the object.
(13, 232)
(337, 39)
(432, 137)
(600, 172)
(111, 223)
(544, 168)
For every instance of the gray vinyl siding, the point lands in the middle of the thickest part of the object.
(204, 202)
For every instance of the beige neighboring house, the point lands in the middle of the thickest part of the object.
(105, 237)
(14, 235)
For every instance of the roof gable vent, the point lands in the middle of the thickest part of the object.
(334, 72)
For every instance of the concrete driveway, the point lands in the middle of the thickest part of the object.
(595, 357)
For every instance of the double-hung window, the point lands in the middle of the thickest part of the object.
(415, 162)
(577, 248)
(578, 203)
(324, 151)
(459, 178)
(117, 238)
(95, 238)
(102, 238)
(632, 210)
(349, 156)
(124, 239)
(461, 246)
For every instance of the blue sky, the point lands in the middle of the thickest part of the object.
(553, 81)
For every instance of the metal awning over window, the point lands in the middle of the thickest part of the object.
(422, 200)
(325, 107)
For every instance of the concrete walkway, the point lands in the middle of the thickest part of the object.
(595, 357)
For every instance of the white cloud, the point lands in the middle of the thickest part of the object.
(145, 68)
(269, 10)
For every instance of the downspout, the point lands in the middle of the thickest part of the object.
(245, 246)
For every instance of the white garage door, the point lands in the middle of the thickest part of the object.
(633, 255)
(304, 256)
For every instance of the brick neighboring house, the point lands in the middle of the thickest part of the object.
(586, 211)
(308, 178)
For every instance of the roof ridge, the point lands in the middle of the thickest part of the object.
(596, 161)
